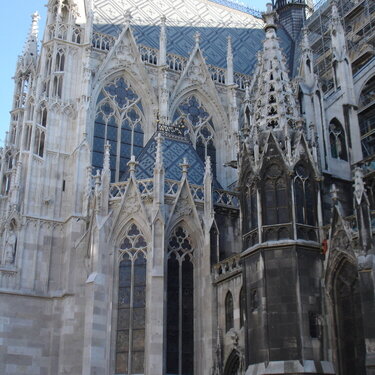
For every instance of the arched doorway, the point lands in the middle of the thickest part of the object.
(233, 364)
(348, 325)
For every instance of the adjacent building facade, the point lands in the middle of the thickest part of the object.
(187, 187)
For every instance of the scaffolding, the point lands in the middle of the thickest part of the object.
(358, 19)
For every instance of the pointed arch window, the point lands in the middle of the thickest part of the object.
(252, 208)
(337, 140)
(199, 125)
(180, 304)
(275, 196)
(229, 320)
(60, 61)
(305, 196)
(130, 335)
(119, 120)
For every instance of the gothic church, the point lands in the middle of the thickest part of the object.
(187, 188)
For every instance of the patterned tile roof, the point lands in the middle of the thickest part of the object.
(184, 18)
(174, 150)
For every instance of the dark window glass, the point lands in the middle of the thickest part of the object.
(229, 321)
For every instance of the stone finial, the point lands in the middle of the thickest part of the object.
(106, 162)
(335, 12)
(132, 165)
(305, 44)
(359, 185)
(184, 166)
(197, 38)
(128, 17)
(334, 193)
(269, 17)
(247, 91)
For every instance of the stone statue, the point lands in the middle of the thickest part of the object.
(10, 247)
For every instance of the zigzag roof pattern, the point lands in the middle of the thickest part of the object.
(214, 21)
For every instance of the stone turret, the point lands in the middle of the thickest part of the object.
(279, 185)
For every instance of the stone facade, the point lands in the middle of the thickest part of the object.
(185, 191)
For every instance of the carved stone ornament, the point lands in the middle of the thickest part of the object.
(131, 203)
(183, 207)
(10, 247)
(196, 73)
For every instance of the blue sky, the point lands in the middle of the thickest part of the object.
(14, 28)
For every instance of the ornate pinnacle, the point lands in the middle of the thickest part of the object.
(305, 44)
(197, 38)
(132, 164)
(127, 17)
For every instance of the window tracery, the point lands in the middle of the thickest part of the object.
(131, 312)
(337, 140)
(201, 127)
(275, 202)
(305, 199)
(180, 304)
(119, 120)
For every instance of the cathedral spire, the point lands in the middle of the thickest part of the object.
(30, 51)
(275, 106)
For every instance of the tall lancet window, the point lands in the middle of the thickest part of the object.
(119, 120)
(180, 304)
(305, 196)
(275, 202)
(199, 124)
(130, 340)
(229, 320)
(337, 140)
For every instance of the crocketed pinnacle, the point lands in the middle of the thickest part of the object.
(274, 107)
(30, 51)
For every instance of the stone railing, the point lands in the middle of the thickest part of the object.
(117, 190)
(227, 268)
(226, 198)
(197, 192)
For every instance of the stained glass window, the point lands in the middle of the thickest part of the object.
(180, 304)
(130, 338)
(119, 119)
(199, 126)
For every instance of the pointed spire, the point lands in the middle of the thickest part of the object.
(30, 51)
(230, 80)
(163, 42)
(275, 106)
(305, 43)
